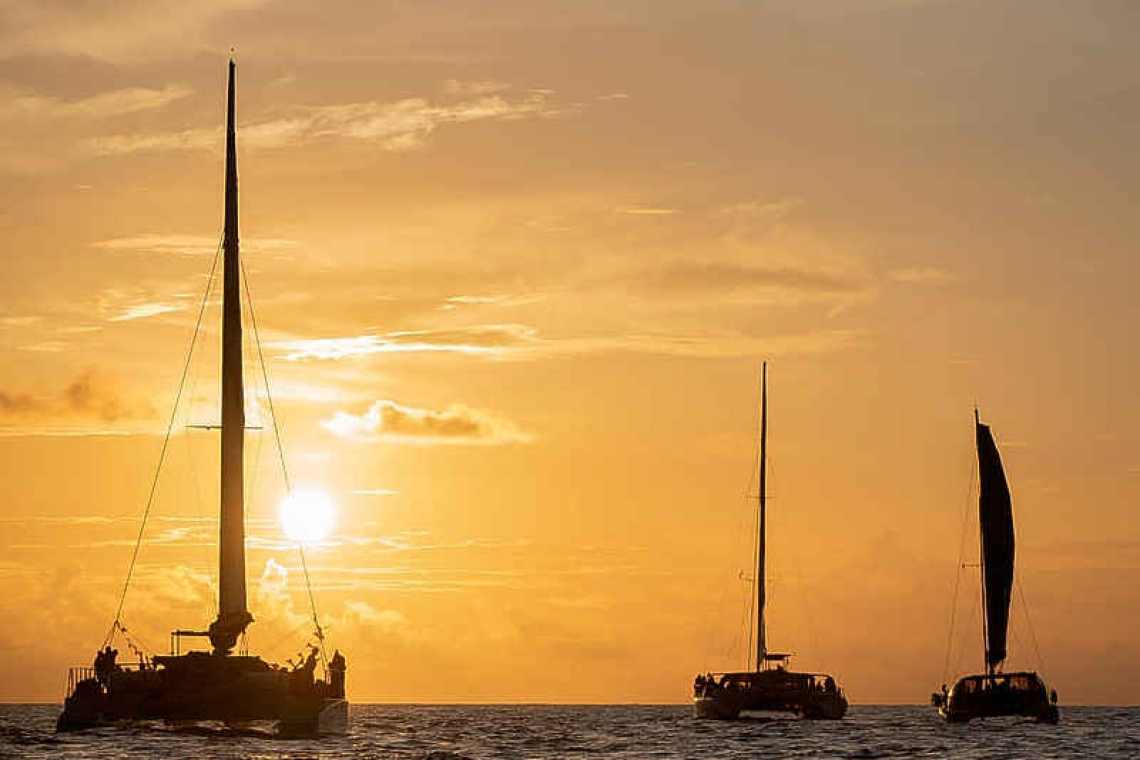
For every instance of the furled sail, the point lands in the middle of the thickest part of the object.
(995, 516)
(233, 616)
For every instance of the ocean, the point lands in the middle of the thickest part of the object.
(453, 732)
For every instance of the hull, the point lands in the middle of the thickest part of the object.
(199, 687)
(771, 690)
(1042, 713)
(996, 696)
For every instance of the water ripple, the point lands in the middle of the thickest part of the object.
(524, 732)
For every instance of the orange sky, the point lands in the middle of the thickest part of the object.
(515, 267)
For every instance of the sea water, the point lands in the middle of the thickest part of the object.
(452, 732)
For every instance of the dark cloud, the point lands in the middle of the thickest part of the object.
(386, 420)
(93, 396)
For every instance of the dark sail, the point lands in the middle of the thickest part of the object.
(233, 616)
(995, 516)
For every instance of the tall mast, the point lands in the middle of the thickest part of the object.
(233, 617)
(761, 645)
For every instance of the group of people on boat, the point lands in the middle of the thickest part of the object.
(1006, 688)
(707, 683)
(704, 684)
(105, 665)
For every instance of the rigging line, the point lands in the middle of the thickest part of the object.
(1029, 623)
(199, 512)
(958, 573)
(752, 596)
(281, 456)
(165, 444)
(255, 473)
(276, 647)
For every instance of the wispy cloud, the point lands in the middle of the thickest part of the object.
(722, 276)
(455, 302)
(524, 343)
(103, 105)
(144, 310)
(385, 420)
(921, 276)
(487, 340)
(724, 344)
(771, 211)
(189, 245)
(648, 211)
(47, 346)
(23, 321)
(461, 87)
(396, 126)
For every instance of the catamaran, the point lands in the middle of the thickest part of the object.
(771, 686)
(216, 685)
(995, 693)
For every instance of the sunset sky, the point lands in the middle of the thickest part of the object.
(515, 266)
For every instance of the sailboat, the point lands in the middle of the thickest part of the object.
(995, 693)
(771, 686)
(215, 685)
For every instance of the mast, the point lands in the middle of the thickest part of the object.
(982, 569)
(233, 616)
(761, 644)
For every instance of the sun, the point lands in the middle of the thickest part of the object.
(307, 516)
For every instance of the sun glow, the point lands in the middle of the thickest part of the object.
(307, 516)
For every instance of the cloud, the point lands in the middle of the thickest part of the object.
(365, 614)
(144, 310)
(47, 346)
(103, 105)
(724, 344)
(921, 276)
(648, 211)
(455, 302)
(188, 245)
(24, 321)
(388, 421)
(726, 275)
(771, 211)
(91, 397)
(395, 126)
(488, 340)
(467, 88)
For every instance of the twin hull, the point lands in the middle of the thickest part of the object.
(200, 687)
(775, 690)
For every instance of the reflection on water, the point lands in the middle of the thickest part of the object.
(452, 732)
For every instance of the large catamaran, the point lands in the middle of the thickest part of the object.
(995, 692)
(771, 686)
(215, 685)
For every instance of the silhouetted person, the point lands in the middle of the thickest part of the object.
(105, 665)
(336, 674)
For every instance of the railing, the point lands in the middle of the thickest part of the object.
(74, 676)
(79, 674)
